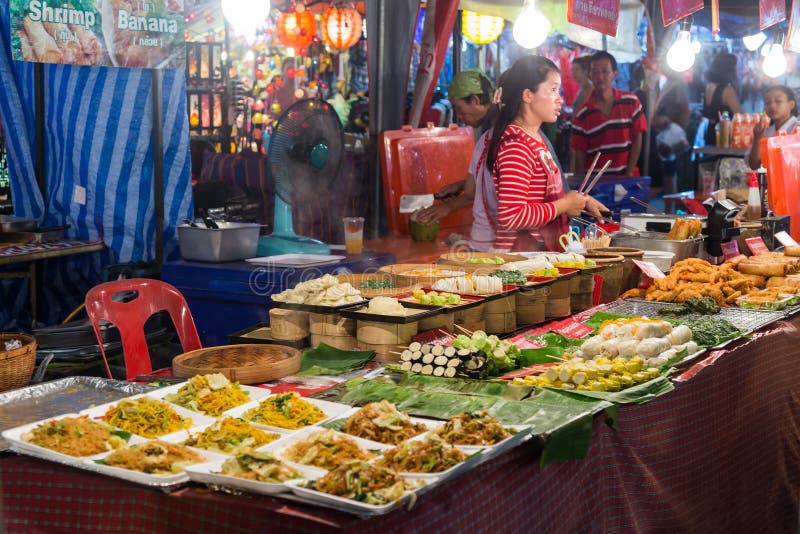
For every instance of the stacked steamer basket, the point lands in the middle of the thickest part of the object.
(611, 269)
(379, 284)
(532, 304)
(471, 319)
(630, 273)
(558, 301)
(581, 289)
(289, 325)
(332, 329)
(501, 315)
(386, 339)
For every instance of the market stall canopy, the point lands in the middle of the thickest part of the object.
(625, 46)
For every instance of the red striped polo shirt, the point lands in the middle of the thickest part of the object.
(593, 131)
(521, 182)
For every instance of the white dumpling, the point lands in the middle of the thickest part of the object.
(592, 347)
(648, 348)
(681, 334)
(610, 347)
(609, 331)
(691, 347)
(628, 349)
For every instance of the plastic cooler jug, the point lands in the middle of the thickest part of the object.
(418, 161)
(783, 177)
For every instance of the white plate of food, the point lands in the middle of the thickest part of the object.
(152, 463)
(254, 471)
(147, 417)
(377, 491)
(323, 448)
(271, 412)
(473, 432)
(227, 435)
(218, 394)
(428, 457)
(66, 438)
(381, 423)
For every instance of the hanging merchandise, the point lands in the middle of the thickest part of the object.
(296, 29)
(341, 27)
(480, 29)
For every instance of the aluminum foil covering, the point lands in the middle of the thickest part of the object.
(66, 395)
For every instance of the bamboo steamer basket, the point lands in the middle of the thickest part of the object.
(560, 289)
(345, 342)
(557, 307)
(442, 320)
(331, 324)
(248, 364)
(379, 333)
(17, 365)
(399, 268)
(472, 318)
(501, 315)
(611, 271)
(288, 325)
(399, 286)
(630, 273)
(531, 306)
(461, 260)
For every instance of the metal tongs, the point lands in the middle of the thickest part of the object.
(584, 190)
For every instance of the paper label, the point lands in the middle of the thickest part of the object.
(756, 245)
(730, 249)
(573, 329)
(785, 239)
(649, 269)
(522, 342)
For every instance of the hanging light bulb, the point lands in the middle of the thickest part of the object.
(531, 27)
(774, 63)
(246, 16)
(680, 56)
(752, 42)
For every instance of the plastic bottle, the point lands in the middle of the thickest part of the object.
(724, 140)
(747, 130)
(761, 174)
(736, 130)
(753, 197)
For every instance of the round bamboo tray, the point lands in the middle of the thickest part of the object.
(331, 324)
(340, 342)
(501, 315)
(398, 286)
(288, 325)
(248, 364)
(442, 320)
(531, 306)
(17, 365)
(377, 333)
(399, 269)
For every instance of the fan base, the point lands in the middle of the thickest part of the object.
(272, 245)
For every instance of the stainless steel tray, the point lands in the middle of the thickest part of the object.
(686, 248)
(50, 399)
(746, 320)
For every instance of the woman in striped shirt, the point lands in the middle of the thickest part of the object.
(532, 208)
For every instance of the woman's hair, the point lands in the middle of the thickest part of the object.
(786, 91)
(527, 72)
(722, 69)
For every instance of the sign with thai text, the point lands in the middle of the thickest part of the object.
(675, 10)
(598, 15)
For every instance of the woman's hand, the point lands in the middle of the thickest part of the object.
(595, 207)
(571, 204)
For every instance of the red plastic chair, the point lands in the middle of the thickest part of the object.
(152, 296)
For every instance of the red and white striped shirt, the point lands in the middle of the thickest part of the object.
(521, 183)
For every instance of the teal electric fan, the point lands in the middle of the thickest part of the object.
(304, 157)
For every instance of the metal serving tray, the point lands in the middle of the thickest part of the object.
(50, 399)
(683, 249)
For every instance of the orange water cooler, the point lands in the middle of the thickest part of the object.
(418, 161)
(781, 157)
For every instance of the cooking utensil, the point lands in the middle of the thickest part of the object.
(190, 223)
(647, 206)
(591, 168)
(211, 223)
(597, 178)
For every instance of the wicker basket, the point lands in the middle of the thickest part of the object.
(248, 364)
(16, 366)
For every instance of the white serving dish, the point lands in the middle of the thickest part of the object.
(332, 410)
(208, 473)
(430, 424)
(253, 393)
(474, 455)
(197, 419)
(183, 435)
(522, 433)
(278, 447)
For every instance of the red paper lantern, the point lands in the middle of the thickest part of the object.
(341, 27)
(296, 29)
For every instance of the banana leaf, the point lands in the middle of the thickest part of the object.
(327, 360)
(600, 317)
(570, 442)
(638, 394)
(544, 355)
(551, 339)
(463, 386)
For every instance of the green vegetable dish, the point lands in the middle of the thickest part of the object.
(510, 277)
(711, 332)
(376, 284)
(497, 260)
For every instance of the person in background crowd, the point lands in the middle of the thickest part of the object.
(610, 122)
(668, 131)
(580, 73)
(532, 207)
(780, 105)
(720, 96)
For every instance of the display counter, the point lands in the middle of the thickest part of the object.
(720, 453)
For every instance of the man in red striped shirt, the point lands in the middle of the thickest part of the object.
(610, 122)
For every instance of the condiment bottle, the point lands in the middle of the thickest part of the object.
(753, 197)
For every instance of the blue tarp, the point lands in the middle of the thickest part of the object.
(98, 123)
